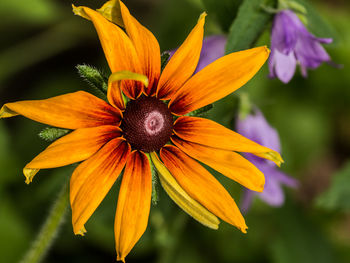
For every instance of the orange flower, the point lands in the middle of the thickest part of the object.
(110, 137)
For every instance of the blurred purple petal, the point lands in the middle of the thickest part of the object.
(285, 66)
(246, 201)
(284, 32)
(273, 194)
(212, 49)
(256, 128)
(291, 42)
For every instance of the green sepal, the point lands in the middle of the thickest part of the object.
(164, 59)
(96, 79)
(250, 22)
(224, 11)
(51, 134)
(155, 195)
(201, 112)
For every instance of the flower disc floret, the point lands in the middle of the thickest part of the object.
(147, 124)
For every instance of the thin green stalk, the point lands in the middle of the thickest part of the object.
(49, 230)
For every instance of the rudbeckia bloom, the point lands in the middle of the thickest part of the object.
(151, 129)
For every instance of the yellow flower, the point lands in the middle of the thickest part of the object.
(110, 137)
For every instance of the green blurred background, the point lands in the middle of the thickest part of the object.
(42, 42)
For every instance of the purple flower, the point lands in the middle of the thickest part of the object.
(212, 49)
(256, 128)
(291, 43)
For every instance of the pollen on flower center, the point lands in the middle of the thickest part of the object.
(154, 122)
(147, 124)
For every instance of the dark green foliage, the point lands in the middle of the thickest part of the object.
(249, 24)
(317, 24)
(338, 195)
(164, 59)
(224, 11)
(201, 112)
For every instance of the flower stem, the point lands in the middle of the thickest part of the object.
(49, 230)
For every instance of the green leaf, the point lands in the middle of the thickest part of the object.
(51, 134)
(316, 24)
(95, 78)
(155, 195)
(224, 11)
(201, 112)
(299, 238)
(164, 59)
(249, 24)
(338, 195)
(15, 233)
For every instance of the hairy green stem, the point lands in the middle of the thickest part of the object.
(49, 230)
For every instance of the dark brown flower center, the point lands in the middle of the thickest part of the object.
(147, 124)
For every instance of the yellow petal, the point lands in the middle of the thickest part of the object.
(119, 50)
(5, 112)
(111, 11)
(183, 63)
(92, 180)
(71, 111)
(202, 186)
(229, 163)
(210, 133)
(218, 79)
(181, 198)
(134, 203)
(146, 46)
(77, 146)
(29, 174)
(79, 11)
(114, 94)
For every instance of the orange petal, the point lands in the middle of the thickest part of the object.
(119, 50)
(183, 63)
(202, 186)
(219, 79)
(146, 46)
(134, 203)
(93, 178)
(210, 133)
(71, 111)
(114, 94)
(181, 198)
(229, 163)
(77, 146)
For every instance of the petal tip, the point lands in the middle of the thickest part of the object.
(260, 188)
(267, 50)
(202, 16)
(29, 174)
(5, 112)
(80, 232)
(119, 258)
